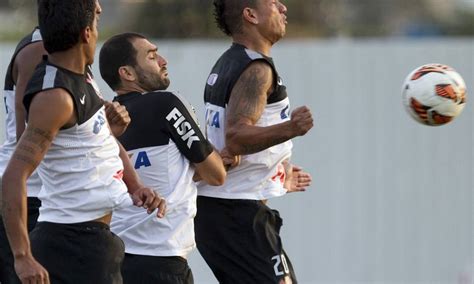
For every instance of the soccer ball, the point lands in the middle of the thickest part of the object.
(434, 94)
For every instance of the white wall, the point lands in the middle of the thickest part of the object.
(392, 200)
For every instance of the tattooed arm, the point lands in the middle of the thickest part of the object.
(46, 117)
(247, 102)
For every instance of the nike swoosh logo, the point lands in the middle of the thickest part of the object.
(83, 99)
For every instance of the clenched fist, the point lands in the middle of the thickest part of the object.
(117, 116)
(301, 120)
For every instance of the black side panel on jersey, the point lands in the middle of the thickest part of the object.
(227, 71)
(29, 39)
(48, 76)
(156, 118)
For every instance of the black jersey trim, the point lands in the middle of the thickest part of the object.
(48, 76)
(228, 69)
(149, 126)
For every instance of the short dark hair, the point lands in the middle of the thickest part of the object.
(61, 22)
(228, 14)
(116, 52)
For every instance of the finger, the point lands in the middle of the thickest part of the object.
(46, 278)
(296, 189)
(304, 180)
(306, 120)
(299, 189)
(116, 119)
(236, 161)
(303, 184)
(297, 168)
(110, 113)
(114, 108)
(154, 205)
(25, 280)
(304, 175)
(42, 278)
(34, 279)
(161, 209)
(137, 201)
(228, 160)
(150, 196)
(37, 279)
(302, 109)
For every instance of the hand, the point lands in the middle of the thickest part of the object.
(296, 180)
(117, 116)
(30, 271)
(148, 199)
(229, 160)
(301, 120)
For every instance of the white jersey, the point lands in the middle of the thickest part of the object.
(162, 140)
(258, 175)
(82, 171)
(8, 147)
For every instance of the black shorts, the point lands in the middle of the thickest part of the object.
(144, 269)
(240, 241)
(78, 253)
(7, 269)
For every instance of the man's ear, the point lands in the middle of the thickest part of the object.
(127, 73)
(250, 15)
(86, 34)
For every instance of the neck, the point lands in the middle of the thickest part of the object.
(254, 43)
(72, 59)
(129, 88)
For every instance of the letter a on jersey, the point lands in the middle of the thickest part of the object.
(142, 160)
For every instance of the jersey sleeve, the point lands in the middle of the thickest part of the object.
(184, 130)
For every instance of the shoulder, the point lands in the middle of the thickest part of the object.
(257, 70)
(53, 99)
(30, 53)
(47, 79)
(168, 98)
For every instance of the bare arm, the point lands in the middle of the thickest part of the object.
(211, 169)
(47, 116)
(23, 68)
(247, 102)
(141, 195)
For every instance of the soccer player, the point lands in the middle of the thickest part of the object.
(167, 147)
(27, 55)
(81, 163)
(247, 111)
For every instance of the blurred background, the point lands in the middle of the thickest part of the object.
(307, 18)
(391, 200)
